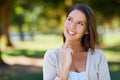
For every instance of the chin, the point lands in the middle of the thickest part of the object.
(72, 38)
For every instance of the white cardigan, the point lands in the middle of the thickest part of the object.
(96, 67)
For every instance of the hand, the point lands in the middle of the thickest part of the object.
(67, 54)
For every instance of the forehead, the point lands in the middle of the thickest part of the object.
(77, 14)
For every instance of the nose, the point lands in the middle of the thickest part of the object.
(72, 25)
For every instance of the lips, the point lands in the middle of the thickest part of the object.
(71, 32)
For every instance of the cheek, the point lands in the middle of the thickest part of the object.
(81, 30)
(65, 29)
(65, 26)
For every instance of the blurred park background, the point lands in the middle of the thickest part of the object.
(30, 27)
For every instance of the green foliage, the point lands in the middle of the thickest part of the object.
(47, 15)
(106, 8)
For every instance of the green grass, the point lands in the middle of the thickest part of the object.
(21, 76)
(111, 39)
(26, 53)
(112, 54)
(41, 42)
(113, 65)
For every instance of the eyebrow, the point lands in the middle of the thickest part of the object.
(80, 21)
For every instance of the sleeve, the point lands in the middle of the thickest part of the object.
(49, 66)
(103, 68)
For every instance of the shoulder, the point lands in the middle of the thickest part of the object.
(51, 57)
(52, 53)
(98, 55)
(98, 52)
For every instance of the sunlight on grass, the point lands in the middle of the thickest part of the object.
(112, 56)
(111, 39)
(41, 42)
(45, 42)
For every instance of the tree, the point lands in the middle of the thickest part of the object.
(5, 16)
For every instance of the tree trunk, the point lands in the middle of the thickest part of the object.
(5, 16)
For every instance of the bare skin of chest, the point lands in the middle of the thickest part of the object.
(78, 63)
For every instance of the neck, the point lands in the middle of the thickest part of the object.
(77, 46)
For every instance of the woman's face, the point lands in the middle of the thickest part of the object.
(75, 25)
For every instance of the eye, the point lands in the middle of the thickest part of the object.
(81, 23)
(69, 19)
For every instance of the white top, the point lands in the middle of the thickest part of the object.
(78, 75)
(96, 65)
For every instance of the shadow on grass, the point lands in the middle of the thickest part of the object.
(115, 49)
(28, 53)
(20, 72)
(114, 70)
(115, 75)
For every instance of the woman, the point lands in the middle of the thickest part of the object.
(77, 59)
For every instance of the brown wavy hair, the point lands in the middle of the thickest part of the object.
(88, 40)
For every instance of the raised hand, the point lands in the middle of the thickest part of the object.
(66, 60)
(67, 54)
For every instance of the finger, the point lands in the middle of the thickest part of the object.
(66, 44)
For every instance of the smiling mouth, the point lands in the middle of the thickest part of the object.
(71, 32)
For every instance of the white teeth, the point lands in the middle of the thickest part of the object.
(72, 33)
